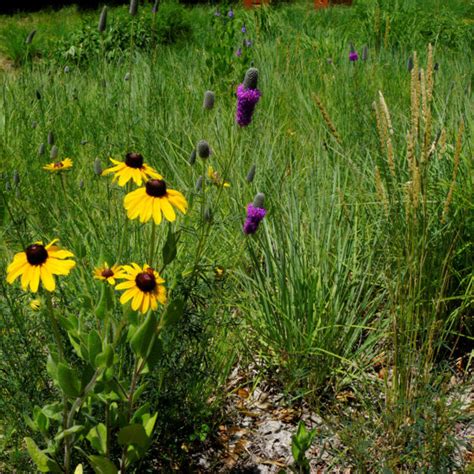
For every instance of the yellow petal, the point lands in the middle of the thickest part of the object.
(59, 267)
(136, 175)
(153, 303)
(167, 209)
(128, 295)
(161, 296)
(178, 202)
(137, 300)
(147, 209)
(125, 285)
(47, 278)
(26, 277)
(35, 278)
(156, 211)
(146, 302)
(56, 253)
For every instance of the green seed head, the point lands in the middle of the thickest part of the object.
(251, 78)
(259, 200)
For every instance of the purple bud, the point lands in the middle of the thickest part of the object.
(238, 53)
(244, 29)
(230, 14)
(248, 43)
(255, 214)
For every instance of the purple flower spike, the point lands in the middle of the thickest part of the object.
(246, 101)
(230, 14)
(254, 217)
(244, 29)
(353, 56)
(238, 53)
(248, 43)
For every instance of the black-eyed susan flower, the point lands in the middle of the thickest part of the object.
(108, 274)
(153, 200)
(59, 165)
(215, 178)
(143, 286)
(40, 262)
(132, 168)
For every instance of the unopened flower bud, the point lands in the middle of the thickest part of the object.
(198, 185)
(50, 138)
(54, 152)
(34, 124)
(41, 149)
(81, 184)
(133, 7)
(365, 53)
(203, 149)
(259, 200)
(127, 77)
(97, 166)
(192, 158)
(30, 37)
(103, 20)
(251, 174)
(38, 94)
(208, 215)
(410, 64)
(209, 99)
(16, 178)
(66, 69)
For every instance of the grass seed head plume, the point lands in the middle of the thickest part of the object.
(251, 174)
(30, 37)
(251, 78)
(327, 118)
(203, 149)
(102, 20)
(209, 99)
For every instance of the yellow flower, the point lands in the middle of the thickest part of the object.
(153, 200)
(39, 262)
(58, 165)
(132, 168)
(108, 274)
(35, 304)
(143, 286)
(216, 179)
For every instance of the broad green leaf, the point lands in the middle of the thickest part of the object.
(68, 432)
(155, 354)
(43, 462)
(133, 434)
(102, 465)
(169, 249)
(140, 341)
(94, 345)
(149, 424)
(68, 380)
(105, 358)
(174, 311)
(97, 437)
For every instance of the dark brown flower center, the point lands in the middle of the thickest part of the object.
(134, 160)
(156, 187)
(146, 281)
(107, 273)
(36, 254)
(58, 164)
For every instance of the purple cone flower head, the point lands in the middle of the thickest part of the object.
(247, 97)
(255, 213)
(353, 56)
